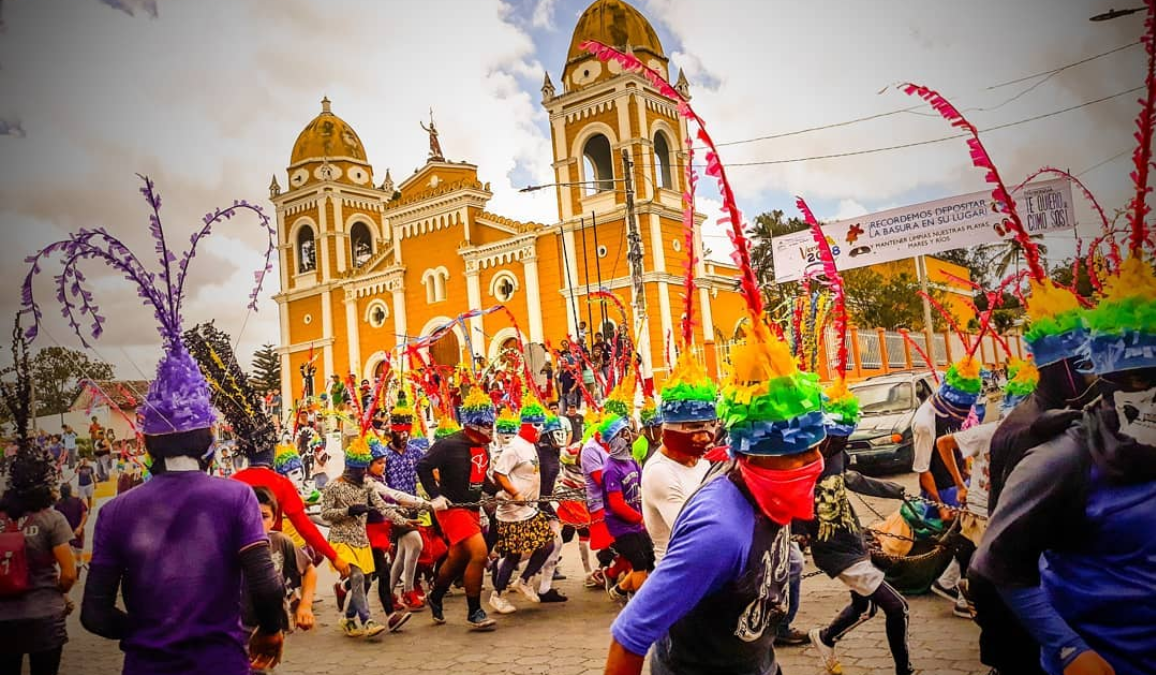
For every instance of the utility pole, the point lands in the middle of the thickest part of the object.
(928, 328)
(634, 256)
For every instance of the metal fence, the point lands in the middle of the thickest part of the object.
(896, 352)
(870, 351)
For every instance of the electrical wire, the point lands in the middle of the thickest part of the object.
(916, 108)
(941, 139)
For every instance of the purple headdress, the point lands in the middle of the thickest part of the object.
(178, 399)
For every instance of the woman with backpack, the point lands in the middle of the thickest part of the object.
(38, 568)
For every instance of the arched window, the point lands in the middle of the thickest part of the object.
(662, 161)
(598, 163)
(434, 281)
(360, 243)
(306, 250)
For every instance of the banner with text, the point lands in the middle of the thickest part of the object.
(924, 229)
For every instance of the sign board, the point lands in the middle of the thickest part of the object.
(924, 229)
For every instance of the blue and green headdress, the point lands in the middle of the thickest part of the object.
(477, 409)
(532, 412)
(507, 423)
(286, 460)
(689, 395)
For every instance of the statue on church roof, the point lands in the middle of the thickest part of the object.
(435, 148)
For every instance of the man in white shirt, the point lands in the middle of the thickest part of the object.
(677, 469)
(522, 528)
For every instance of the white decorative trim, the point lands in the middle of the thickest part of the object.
(375, 359)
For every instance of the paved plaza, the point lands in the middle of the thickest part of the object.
(570, 638)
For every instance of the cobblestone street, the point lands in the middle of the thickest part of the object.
(570, 638)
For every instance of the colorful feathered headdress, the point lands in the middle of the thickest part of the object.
(532, 412)
(232, 393)
(649, 415)
(621, 399)
(401, 415)
(478, 409)
(178, 399)
(689, 394)
(611, 426)
(553, 423)
(287, 460)
(1122, 326)
(446, 425)
(507, 422)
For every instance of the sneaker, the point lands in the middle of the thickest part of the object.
(350, 628)
(594, 579)
(480, 622)
(558, 576)
(436, 611)
(412, 601)
(419, 591)
(792, 638)
(500, 604)
(616, 594)
(944, 592)
(552, 595)
(372, 628)
(827, 654)
(340, 592)
(525, 589)
(397, 620)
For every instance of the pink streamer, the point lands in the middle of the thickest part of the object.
(834, 282)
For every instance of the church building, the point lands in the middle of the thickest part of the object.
(368, 265)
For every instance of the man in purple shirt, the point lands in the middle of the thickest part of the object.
(179, 547)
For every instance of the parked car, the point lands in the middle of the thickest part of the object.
(884, 441)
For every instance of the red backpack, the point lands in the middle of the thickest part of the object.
(13, 559)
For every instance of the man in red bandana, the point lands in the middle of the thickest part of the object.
(715, 602)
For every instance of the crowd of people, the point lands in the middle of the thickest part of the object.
(696, 501)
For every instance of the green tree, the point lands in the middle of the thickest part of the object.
(266, 369)
(890, 303)
(57, 373)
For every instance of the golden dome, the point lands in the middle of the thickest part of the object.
(617, 24)
(327, 136)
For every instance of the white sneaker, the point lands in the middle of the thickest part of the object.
(827, 654)
(500, 604)
(525, 589)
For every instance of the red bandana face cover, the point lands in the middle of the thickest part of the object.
(783, 495)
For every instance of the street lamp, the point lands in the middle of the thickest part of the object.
(1115, 14)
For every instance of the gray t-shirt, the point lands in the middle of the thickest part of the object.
(43, 531)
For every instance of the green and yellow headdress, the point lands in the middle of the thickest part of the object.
(532, 412)
(689, 394)
(621, 399)
(507, 422)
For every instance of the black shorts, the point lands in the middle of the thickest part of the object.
(638, 550)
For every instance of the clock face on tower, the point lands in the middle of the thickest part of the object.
(299, 177)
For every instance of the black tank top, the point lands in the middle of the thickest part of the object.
(732, 631)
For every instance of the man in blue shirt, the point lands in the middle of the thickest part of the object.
(712, 606)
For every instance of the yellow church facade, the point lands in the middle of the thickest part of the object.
(368, 265)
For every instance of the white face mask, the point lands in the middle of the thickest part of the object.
(1136, 411)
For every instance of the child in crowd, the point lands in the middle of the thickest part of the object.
(293, 566)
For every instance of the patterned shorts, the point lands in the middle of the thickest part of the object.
(523, 537)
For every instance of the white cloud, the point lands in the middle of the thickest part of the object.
(848, 208)
(791, 66)
(543, 16)
(211, 107)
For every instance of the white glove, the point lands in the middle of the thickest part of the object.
(439, 504)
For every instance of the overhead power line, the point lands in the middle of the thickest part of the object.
(932, 141)
(915, 109)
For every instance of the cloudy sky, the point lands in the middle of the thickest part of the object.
(207, 97)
